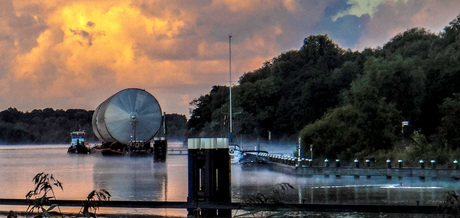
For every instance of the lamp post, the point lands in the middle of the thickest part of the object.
(230, 97)
(299, 149)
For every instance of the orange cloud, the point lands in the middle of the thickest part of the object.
(99, 36)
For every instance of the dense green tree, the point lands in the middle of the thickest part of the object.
(43, 126)
(257, 99)
(398, 80)
(11, 115)
(205, 106)
(336, 131)
(449, 131)
(366, 124)
(176, 127)
(413, 43)
(443, 75)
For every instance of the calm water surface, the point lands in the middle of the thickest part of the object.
(139, 179)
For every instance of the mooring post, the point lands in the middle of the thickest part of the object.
(433, 164)
(160, 149)
(160, 145)
(208, 176)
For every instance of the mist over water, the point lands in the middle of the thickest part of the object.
(140, 179)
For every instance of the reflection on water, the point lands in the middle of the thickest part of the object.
(344, 190)
(135, 179)
(140, 179)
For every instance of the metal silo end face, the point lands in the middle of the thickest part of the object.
(131, 114)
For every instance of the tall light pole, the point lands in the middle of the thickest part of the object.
(230, 72)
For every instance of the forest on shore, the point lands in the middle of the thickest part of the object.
(399, 101)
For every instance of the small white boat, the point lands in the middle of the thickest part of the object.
(235, 153)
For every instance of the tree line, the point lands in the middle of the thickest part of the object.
(346, 103)
(49, 126)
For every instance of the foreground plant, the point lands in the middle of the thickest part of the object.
(277, 195)
(93, 202)
(451, 204)
(41, 195)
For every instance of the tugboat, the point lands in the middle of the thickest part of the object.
(77, 145)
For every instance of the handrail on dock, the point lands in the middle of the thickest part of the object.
(234, 206)
(305, 167)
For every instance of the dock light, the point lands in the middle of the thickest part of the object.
(388, 163)
(337, 162)
(422, 164)
(368, 163)
(356, 163)
(326, 162)
(400, 163)
(456, 164)
(433, 164)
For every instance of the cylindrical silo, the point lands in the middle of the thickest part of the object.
(131, 114)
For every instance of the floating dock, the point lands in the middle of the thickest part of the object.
(291, 165)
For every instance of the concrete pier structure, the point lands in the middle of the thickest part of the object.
(209, 176)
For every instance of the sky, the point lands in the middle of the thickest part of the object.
(75, 54)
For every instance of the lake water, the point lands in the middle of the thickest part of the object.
(140, 179)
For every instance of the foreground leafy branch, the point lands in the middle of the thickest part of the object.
(93, 202)
(451, 204)
(41, 195)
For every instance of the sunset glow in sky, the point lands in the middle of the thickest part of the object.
(75, 54)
